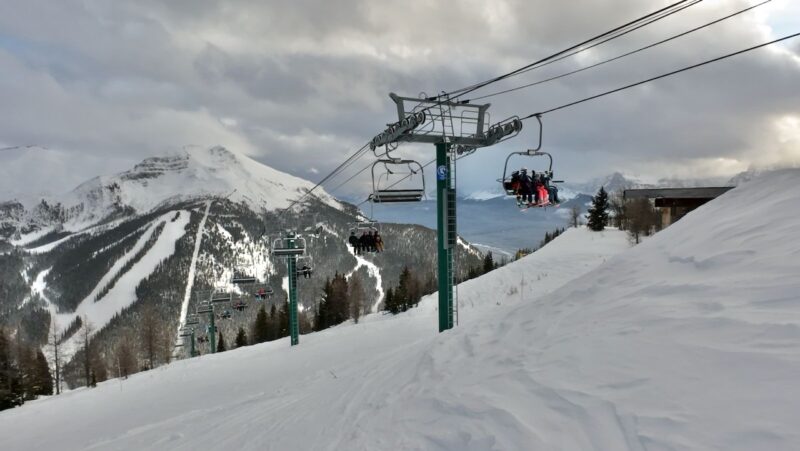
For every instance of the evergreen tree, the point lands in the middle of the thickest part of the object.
(261, 331)
(43, 382)
(598, 213)
(390, 303)
(283, 320)
(488, 262)
(274, 323)
(221, 343)
(241, 338)
(11, 390)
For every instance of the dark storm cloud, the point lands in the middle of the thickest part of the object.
(299, 85)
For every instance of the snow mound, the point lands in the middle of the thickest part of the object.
(690, 340)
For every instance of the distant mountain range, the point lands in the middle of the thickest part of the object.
(155, 237)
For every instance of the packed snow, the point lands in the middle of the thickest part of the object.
(690, 340)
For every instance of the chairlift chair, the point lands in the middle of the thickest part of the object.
(280, 247)
(305, 264)
(220, 296)
(364, 226)
(262, 291)
(192, 320)
(389, 195)
(205, 307)
(243, 272)
(239, 305)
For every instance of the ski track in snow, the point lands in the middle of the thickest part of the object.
(192, 267)
(373, 271)
(123, 293)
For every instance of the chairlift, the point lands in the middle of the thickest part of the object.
(244, 272)
(305, 266)
(220, 295)
(390, 195)
(239, 305)
(262, 291)
(364, 226)
(192, 320)
(205, 307)
(281, 248)
(226, 314)
(509, 180)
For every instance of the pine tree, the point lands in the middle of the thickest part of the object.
(283, 320)
(241, 338)
(598, 213)
(488, 262)
(221, 343)
(390, 303)
(11, 390)
(261, 332)
(274, 324)
(43, 382)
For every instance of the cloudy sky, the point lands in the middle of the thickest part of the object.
(300, 84)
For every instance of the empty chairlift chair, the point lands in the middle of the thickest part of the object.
(281, 247)
(411, 188)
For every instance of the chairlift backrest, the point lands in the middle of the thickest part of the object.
(280, 247)
(389, 195)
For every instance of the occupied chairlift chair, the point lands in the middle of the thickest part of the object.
(305, 261)
(505, 182)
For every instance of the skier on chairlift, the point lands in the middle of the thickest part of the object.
(540, 191)
(378, 242)
(353, 240)
(525, 188)
(306, 271)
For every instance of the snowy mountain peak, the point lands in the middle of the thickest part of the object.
(190, 174)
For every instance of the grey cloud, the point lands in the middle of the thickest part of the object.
(306, 82)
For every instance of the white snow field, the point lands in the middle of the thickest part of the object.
(690, 340)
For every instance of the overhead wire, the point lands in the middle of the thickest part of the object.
(658, 77)
(611, 34)
(602, 38)
(640, 49)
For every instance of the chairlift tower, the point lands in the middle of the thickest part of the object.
(290, 247)
(455, 128)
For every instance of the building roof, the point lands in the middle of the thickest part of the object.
(676, 193)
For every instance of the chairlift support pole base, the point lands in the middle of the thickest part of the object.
(445, 195)
(212, 331)
(291, 266)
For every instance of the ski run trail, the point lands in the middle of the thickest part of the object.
(123, 293)
(373, 271)
(688, 341)
(187, 297)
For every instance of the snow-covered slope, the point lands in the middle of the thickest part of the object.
(688, 341)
